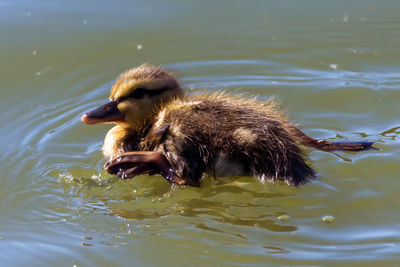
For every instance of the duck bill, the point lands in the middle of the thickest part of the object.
(104, 114)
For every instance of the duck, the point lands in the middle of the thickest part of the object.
(162, 129)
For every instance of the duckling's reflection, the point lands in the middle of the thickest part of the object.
(225, 201)
(221, 204)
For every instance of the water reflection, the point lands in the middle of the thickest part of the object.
(139, 200)
(334, 69)
(391, 134)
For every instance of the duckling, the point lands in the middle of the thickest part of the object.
(161, 130)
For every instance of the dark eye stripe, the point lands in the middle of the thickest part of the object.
(152, 93)
(139, 93)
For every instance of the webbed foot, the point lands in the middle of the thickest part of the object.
(134, 163)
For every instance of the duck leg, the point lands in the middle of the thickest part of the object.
(134, 163)
(325, 145)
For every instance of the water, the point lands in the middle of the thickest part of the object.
(334, 66)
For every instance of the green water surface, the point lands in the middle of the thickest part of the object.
(334, 66)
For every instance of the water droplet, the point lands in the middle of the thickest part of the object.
(169, 174)
(328, 219)
(346, 18)
(284, 218)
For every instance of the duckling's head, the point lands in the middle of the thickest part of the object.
(135, 97)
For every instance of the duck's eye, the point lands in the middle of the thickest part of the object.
(139, 93)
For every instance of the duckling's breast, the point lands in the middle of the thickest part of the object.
(118, 141)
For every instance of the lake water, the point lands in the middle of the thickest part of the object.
(334, 66)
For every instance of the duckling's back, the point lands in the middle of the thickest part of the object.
(220, 133)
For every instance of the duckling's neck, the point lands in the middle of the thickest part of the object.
(139, 127)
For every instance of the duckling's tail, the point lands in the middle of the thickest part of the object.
(325, 145)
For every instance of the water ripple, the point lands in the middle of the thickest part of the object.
(236, 215)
